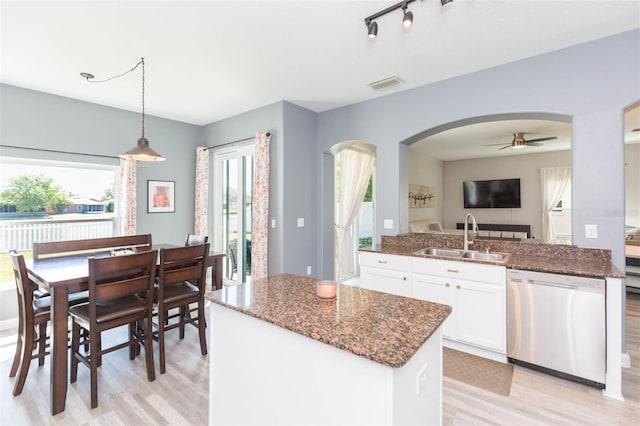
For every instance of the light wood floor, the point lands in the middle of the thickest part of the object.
(180, 396)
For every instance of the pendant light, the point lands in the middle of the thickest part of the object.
(142, 153)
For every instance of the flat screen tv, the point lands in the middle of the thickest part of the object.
(499, 193)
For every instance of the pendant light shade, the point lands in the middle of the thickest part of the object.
(142, 152)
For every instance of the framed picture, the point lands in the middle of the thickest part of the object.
(161, 196)
(421, 196)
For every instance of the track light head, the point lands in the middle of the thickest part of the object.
(373, 29)
(445, 2)
(407, 20)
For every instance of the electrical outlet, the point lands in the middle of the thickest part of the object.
(421, 379)
(591, 231)
(388, 224)
(309, 270)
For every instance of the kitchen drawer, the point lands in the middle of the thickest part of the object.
(387, 261)
(461, 270)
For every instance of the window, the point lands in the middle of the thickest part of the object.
(48, 201)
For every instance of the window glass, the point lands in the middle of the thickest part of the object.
(53, 201)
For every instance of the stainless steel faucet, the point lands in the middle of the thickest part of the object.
(474, 229)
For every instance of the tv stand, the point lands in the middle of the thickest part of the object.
(500, 227)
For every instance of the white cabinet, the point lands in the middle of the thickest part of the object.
(386, 273)
(481, 318)
(475, 291)
(439, 290)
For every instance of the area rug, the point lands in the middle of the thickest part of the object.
(476, 371)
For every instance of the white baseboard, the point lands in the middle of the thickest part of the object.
(625, 360)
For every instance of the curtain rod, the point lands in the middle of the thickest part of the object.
(59, 152)
(233, 142)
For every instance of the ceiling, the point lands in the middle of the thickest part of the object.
(209, 60)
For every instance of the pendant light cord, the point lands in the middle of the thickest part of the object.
(119, 75)
(141, 62)
(89, 78)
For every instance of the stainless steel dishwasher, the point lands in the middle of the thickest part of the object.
(556, 323)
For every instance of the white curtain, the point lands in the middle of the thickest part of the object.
(202, 191)
(554, 181)
(356, 164)
(127, 198)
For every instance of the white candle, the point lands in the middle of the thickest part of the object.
(326, 289)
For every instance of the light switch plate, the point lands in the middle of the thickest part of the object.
(388, 224)
(273, 223)
(300, 222)
(591, 231)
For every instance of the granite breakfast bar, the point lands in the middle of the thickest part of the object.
(281, 355)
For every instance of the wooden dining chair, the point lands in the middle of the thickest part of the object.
(181, 282)
(115, 286)
(32, 313)
(195, 240)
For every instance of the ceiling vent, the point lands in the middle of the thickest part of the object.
(385, 83)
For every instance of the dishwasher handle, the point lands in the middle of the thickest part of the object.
(545, 283)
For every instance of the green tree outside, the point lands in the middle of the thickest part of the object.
(31, 193)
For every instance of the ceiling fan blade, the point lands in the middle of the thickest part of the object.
(505, 147)
(542, 139)
(636, 130)
(497, 144)
(534, 143)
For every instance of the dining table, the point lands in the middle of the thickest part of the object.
(70, 274)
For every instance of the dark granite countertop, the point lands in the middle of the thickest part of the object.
(384, 328)
(570, 260)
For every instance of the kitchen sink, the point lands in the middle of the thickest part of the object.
(461, 254)
(432, 251)
(491, 257)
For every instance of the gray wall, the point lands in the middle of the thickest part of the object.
(300, 200)
(292, 179)
(592, 82)
(32, 119)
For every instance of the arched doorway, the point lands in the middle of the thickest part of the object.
(354, 212)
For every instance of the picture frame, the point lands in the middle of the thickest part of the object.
(161, 196)
(421, 196)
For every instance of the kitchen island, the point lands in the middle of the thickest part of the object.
(281, 355)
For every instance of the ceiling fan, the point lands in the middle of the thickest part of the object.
(519, 141)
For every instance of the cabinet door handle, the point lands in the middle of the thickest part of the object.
(458, 286)
(404, 278)
(455, 271)
(382, 261)
(447, 285)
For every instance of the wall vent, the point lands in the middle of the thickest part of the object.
(394, 80)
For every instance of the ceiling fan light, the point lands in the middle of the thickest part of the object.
(445, 2)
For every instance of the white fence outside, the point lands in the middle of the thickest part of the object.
(21, 234)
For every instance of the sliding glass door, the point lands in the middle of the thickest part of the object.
(233, 193)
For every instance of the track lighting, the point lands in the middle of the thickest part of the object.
(407, 17)
(373, 29)
(407, 20)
